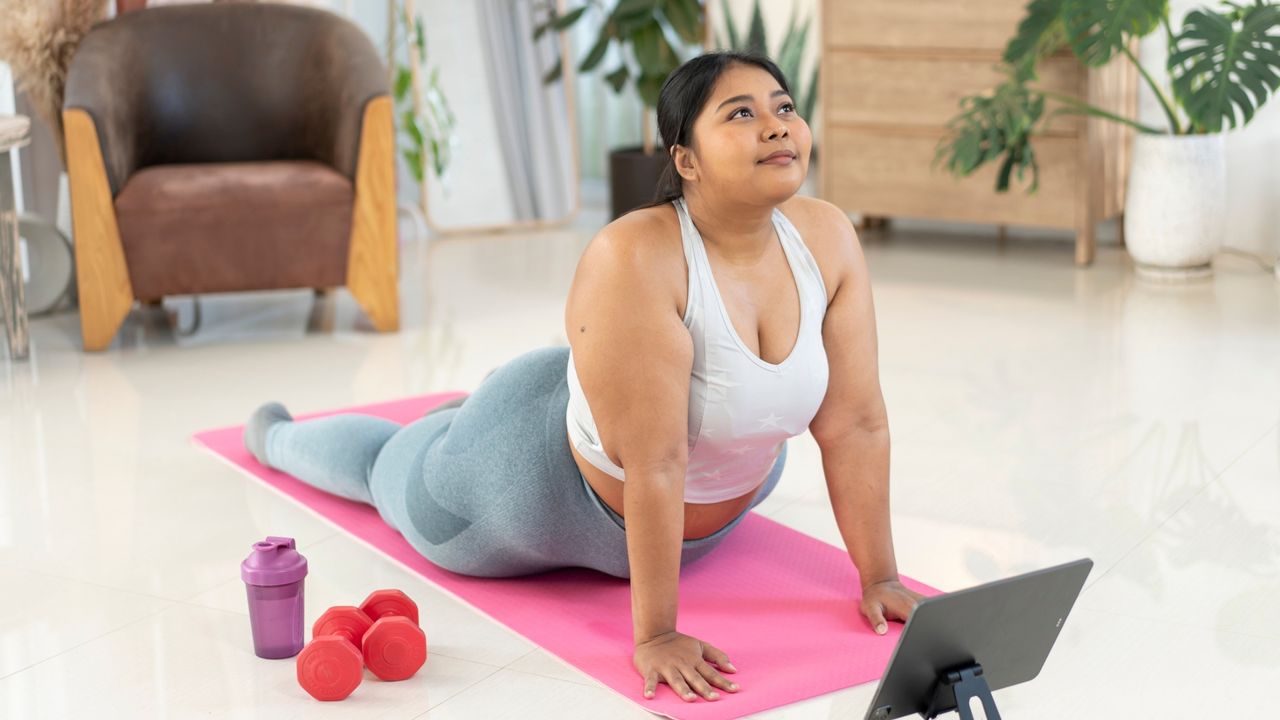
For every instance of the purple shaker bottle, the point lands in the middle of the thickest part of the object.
(273, 575)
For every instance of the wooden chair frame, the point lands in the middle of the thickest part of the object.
(102, 275)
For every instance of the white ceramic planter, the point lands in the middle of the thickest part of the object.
(1176, 204)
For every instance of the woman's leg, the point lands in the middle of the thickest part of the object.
(335, 454)
(490, 488)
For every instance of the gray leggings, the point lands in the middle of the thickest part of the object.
(487, 489)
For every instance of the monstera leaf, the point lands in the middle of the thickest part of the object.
(994, 127)
(1098, 29)
(1039, 34)
(1225, 66)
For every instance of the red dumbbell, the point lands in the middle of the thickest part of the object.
(331, 666)
(394, 647)
(382, 634)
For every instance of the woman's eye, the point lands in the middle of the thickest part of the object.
(785, 107)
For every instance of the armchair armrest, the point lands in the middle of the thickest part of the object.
(104, 81)
(344, 74)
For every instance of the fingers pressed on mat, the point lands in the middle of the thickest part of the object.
(677, 683)
(650, 684)
(699, 684)
(875, 613)
(719, 657)
(714, 677)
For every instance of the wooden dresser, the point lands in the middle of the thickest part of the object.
(893, 73)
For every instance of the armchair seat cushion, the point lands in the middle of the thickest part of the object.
(223, 227)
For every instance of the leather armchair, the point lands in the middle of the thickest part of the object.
(229, 147)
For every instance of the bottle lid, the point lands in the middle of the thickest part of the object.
(274, 561)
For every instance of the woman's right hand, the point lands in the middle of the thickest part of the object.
(683, 662)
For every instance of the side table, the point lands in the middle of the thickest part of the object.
(14, 133)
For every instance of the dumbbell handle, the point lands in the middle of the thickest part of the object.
(345, 634)
(347, 622)
(389, 603)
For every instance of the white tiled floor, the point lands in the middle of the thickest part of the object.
(1040, 413)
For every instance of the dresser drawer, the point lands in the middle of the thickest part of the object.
(892, 174)
(958, 24)
(924, 90)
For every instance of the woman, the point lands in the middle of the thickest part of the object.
(705, 330)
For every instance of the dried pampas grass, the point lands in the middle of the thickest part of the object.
(37, 39)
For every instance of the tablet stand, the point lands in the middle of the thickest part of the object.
(956, 688)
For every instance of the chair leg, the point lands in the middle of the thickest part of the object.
(101, 274)
(372, 260)
(1086, 242)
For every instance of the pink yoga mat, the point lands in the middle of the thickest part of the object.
(783, 605)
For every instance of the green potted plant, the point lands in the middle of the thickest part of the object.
(647, 32)
(1223, 64)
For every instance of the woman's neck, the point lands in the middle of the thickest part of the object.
(738, 232)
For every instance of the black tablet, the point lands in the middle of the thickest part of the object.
(966, 643)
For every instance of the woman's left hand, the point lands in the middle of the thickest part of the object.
(888, 600)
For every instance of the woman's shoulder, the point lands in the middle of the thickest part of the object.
(646, 240)
(816, 218)
(644, 230)
(827, 232)
(644, 245)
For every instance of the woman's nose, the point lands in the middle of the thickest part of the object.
(777, 131)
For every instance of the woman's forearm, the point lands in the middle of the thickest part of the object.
(857, 473)
(654, 507)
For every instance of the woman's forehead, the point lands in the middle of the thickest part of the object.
(749, 80)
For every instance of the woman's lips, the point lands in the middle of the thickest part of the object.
(779, 159)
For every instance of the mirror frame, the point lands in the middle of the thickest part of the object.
(568, 77)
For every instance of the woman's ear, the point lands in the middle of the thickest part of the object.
(684, 162)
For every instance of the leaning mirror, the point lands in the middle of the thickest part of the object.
(512, 159)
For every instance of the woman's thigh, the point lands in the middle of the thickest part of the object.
(491, 488)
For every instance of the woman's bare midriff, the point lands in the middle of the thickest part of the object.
(700, 519)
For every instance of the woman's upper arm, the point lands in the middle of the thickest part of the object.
(632, 352)
(854, 400)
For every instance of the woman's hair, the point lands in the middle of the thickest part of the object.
(681, 99)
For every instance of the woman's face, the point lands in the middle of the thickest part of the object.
(748, 141)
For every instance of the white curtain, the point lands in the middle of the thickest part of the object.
(532, 118)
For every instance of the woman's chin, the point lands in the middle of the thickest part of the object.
(782, 186)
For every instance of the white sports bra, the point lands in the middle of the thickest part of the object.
(741, 408)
